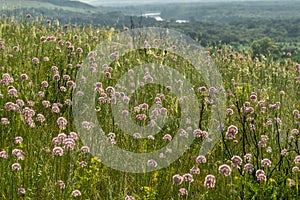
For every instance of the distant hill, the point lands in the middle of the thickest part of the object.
(68, 3)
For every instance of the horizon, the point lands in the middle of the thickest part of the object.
(137, 2)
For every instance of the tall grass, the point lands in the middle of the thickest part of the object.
(262, 100)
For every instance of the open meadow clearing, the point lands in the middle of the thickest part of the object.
(42, 156)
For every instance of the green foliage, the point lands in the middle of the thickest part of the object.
(265, 47)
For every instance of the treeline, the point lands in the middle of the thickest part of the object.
(284, 32)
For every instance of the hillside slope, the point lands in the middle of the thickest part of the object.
(68, 3)
(75, 6)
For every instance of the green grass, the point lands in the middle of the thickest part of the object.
(269, 80)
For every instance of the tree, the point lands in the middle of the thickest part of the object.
(265, 46)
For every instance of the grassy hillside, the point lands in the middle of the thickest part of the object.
(42, 155)
(46, 4)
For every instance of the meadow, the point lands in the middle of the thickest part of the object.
(257, 155)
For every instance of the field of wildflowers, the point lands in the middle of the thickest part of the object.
(42, 156)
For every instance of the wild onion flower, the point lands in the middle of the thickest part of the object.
(87, 125)
(263, 110)
(57, 151)
(152, 163)
(30, 103)
(150, 137)
(41, 94)
(56, 77)
(24, 77)
(195, 170)
(85, 149)
(129, 197)
(61, 184)
(141, 116)
(264, 138)
(167, 137)
(261, 177)
(291, 182)
(46, 104)
(144, 106)
(274, 106)
(79, 50)
(266, 163)
(229, 111)
(148, 78)
(18, 140)
(284, 152)
(269, 149)
(248, 110)
(262, 144)
(258, 172)
(225, 170)
(45, 84)
(248, 167)
(12, 92)
(69, 144)
(199, 133)
(137, 136)
(253, 97)
(61, 137)
(21, 191)
(16, 166)
(62, 123)
(236, 161)
(35, 60)
(188, 177)
(294, 169)
(294, 131)
(68, 102)
(16, 48)
(5, 121)
(9, 106)
(111, 135)
(277, 120)
(231, 132)
(252, 127)
(297, 66)
(55, 109)
(73, 135)
(110, 90)
(183, 192)
(40, 118)
(56, 141)
(3, 154)
(202, 89)
(83, 164)
(183, 133)
(177, 179)
(126, 99)
(20, 102)
(76, 193)
(248, 157)
(71, 84)
(210, 181)
(201, 159)
(18, 153)
(297, 159)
